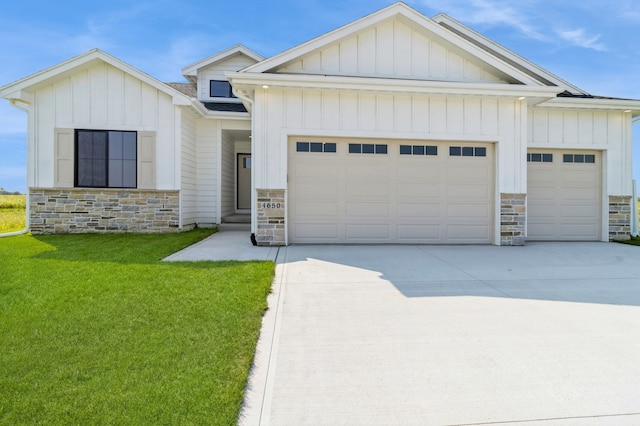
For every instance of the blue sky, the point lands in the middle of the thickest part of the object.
(590, 43)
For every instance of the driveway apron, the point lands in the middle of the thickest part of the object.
(548, 333)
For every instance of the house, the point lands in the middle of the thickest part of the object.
(395, 128)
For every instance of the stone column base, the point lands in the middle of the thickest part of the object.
(619, 217)
(270, 217)
(513, 214)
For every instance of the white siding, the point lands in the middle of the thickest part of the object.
(387, 116)
(189, 205)
(583, 129)
(227, 194)
(102, 97)
(207, 154)
(216, 72)
(396, 48)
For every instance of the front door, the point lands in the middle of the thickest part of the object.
(244, 182)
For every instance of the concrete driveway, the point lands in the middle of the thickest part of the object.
(545, 334)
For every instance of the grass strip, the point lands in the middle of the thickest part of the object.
(96, 330)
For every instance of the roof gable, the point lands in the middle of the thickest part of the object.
(237, 54)
(399, 42)
(16, 89)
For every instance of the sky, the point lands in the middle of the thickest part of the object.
(590, 43)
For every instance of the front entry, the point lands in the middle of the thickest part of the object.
(243, 168)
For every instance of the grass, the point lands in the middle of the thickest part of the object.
(94, 329)
(635, 241)
(12, 213)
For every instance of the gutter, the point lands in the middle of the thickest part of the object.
(24, 108)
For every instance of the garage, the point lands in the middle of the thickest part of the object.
(564, 201)
(353, 191)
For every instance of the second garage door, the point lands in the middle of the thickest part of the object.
(564, 201)
(383, 191)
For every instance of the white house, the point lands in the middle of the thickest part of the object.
(395, 128)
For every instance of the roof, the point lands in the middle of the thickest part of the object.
(16, 89)
(224, 106)
(192, 70)
(186, 88)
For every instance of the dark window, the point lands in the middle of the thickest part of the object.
(547, 158)
(106, 159)
(329, 147)
(381, 149)
(578, 158)
(528, 157)
(480, 152)
(220, 89)
(405, 149)
(455, 151)
(432, 150)
(590, 159)
(302, 146)
(418, 150)
(316, 146)
(536, 158)
(368, 148)
(567, 158)
(467, 151)
(355, 148)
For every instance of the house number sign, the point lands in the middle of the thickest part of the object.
(271, 205)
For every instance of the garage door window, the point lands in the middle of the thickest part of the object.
(315, 147)
(467, 151)
(540, 158)
(367, 148)
(418, 150)
(578, 158)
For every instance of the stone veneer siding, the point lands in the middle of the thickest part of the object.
(619, 217)
(513, 215)
(89, 210)
(270, 217)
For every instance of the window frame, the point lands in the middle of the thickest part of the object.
(228, 93)
(108, 159)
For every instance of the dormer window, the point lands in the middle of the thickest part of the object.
(220, 89)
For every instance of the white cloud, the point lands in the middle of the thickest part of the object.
(578, 37)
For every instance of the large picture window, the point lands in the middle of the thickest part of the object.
(106, 159)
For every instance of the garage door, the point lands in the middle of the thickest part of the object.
(564, 201)
(382, 191)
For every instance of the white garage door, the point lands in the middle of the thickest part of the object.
(564, 200)
(363, 191)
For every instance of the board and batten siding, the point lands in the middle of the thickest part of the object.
(227, 192)
(102, 97)
(608, 131)
(279, 113)
(189, 158)
(216, 72)
(395, 48)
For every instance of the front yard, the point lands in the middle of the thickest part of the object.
(94, 329)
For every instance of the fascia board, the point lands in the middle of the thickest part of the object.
(508, 54)
(333, 83)
(596, 104)
(33, 81)
(192, 70)
(369, 20)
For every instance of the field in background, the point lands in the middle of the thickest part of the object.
(12, 213)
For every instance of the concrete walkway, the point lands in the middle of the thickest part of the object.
(225, 245)
(442, 335)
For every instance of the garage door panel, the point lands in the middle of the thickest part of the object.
(420, 210)
(387, 198)
(363, 232)
(368, 209)
(564, 199)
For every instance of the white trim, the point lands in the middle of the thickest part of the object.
(238, 49)
(593, 104)
(634, 209)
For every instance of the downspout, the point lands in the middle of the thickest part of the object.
(24, 108)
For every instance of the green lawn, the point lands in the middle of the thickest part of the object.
(12, 213)
(95, 330)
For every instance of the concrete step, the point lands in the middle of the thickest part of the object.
(235, 227)
(237, 218)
